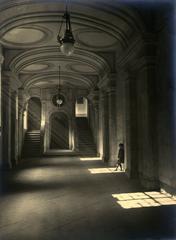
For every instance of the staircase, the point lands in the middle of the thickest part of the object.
(86, 143)
(32, 144)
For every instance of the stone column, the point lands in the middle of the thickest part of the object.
(91, 115)
(1, 62)
(6, 120)
(14, 128)
(147, 105)
(166, 107)
(112, 126)
(131, 126)
(94, 109)
(101, 125)
(96, 127)
(20, 121)
(127, 139)
(43, 126)
(104, 126)
(74, 134)
(120, 108)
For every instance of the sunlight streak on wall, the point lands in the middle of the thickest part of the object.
(25, 120)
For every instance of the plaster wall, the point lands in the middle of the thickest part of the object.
(147, 131)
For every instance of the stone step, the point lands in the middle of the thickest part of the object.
(85, 138)
(32, 144)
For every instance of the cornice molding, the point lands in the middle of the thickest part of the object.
(108, 80)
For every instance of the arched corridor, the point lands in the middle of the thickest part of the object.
(86, 86)
(77, 198)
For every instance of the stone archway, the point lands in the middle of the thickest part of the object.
(34, 114)
(59, 131)
(81, 107)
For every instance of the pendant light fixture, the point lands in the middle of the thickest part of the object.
(67, 40)
(58, 99)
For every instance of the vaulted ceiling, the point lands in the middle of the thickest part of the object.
(102, 30)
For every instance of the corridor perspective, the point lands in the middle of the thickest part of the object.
(81, 198)
(87, 86)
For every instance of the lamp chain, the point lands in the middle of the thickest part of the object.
(59, 81)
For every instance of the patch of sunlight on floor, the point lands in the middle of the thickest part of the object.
(144, 199)
(155, 194)
(90, 158)
(103, 170)
(30, 174)
(35, 175)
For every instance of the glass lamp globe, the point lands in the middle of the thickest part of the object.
(59, 101)
(67, 48)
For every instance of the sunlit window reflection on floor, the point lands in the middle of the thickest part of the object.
(144, 199)
(36, 175)
(103, 170)
(90, 158)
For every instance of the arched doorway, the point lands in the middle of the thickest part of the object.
(59, 131)
(81, 107)
(34, 114)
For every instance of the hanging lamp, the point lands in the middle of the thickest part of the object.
(67, 41)
(58, 98)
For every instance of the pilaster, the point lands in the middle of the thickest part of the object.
(131, 126)
(6, 122)
(103, 126)
(20, 120)
(1, 62)
(94, 118)
(147, 125)
(112, 124)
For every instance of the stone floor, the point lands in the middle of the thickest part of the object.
(68, 198)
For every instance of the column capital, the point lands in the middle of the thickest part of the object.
(5, 78)
(94, 94)
(103, 94)
(111, 90)
(21, 93)
(108, 79)
(43, 101)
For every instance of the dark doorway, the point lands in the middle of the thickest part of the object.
(59, 131)
(34, 114)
